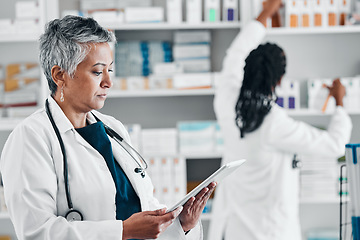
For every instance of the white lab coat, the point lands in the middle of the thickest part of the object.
(32, 171)
(261, 201)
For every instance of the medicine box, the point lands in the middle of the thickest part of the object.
(195, 65)
(193, 80)
(212, 10)
(174, 11)
(196, 137)
(165, 144)
(144, 14)
(191, 51)
(230, 10)
(6, 27)
(194, 11)
(27, 10)
(183, 37)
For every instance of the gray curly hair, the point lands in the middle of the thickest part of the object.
(65, 43)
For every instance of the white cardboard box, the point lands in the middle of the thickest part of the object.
(144, 14)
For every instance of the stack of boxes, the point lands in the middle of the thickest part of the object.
(192, 52)
(165, 167)
(191, 49)
(168, 175)
(135, 61)
(163, 75)
(319, 179)
(161, 142)
(20, 89)
(114, 12)
(27, 17)
(200, 137)
(165, 151)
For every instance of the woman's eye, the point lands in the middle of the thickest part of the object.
(97, 73)
(110, 70)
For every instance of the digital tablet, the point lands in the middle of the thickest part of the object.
(217, 176)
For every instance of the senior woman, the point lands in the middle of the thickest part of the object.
(64, 178)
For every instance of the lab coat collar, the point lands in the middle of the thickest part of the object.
(64, 125)
(61, 121)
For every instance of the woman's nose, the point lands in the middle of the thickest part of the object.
(106, 81)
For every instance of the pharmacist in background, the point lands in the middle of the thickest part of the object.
(64, 175)
(261, 202)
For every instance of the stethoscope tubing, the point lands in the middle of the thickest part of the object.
(62, 146)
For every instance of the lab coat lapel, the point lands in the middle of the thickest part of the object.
(128, 165)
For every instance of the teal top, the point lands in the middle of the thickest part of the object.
(126, 199)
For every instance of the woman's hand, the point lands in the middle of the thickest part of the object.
(194, 206)
(269, 9)
(337, 90)
(148, 224)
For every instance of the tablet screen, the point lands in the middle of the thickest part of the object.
(217, 176)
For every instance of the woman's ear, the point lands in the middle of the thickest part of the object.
(58, 75)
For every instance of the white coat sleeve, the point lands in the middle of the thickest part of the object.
(30, 185)
(247, 40)
(284, 133)
(229, 81)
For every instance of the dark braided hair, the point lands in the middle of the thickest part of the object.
(263, 69)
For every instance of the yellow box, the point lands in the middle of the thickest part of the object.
(5, 238)
(16, 68)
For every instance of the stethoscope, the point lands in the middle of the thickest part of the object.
(296, 162)
(73, 214)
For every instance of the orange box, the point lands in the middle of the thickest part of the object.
(332, 19)
(13, 69)
(294, 20)
(5, 238)
(12, 84)
(305, 20)
(317, 19)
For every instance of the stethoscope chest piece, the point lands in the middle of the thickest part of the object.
(74, 215)
(296, 162)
